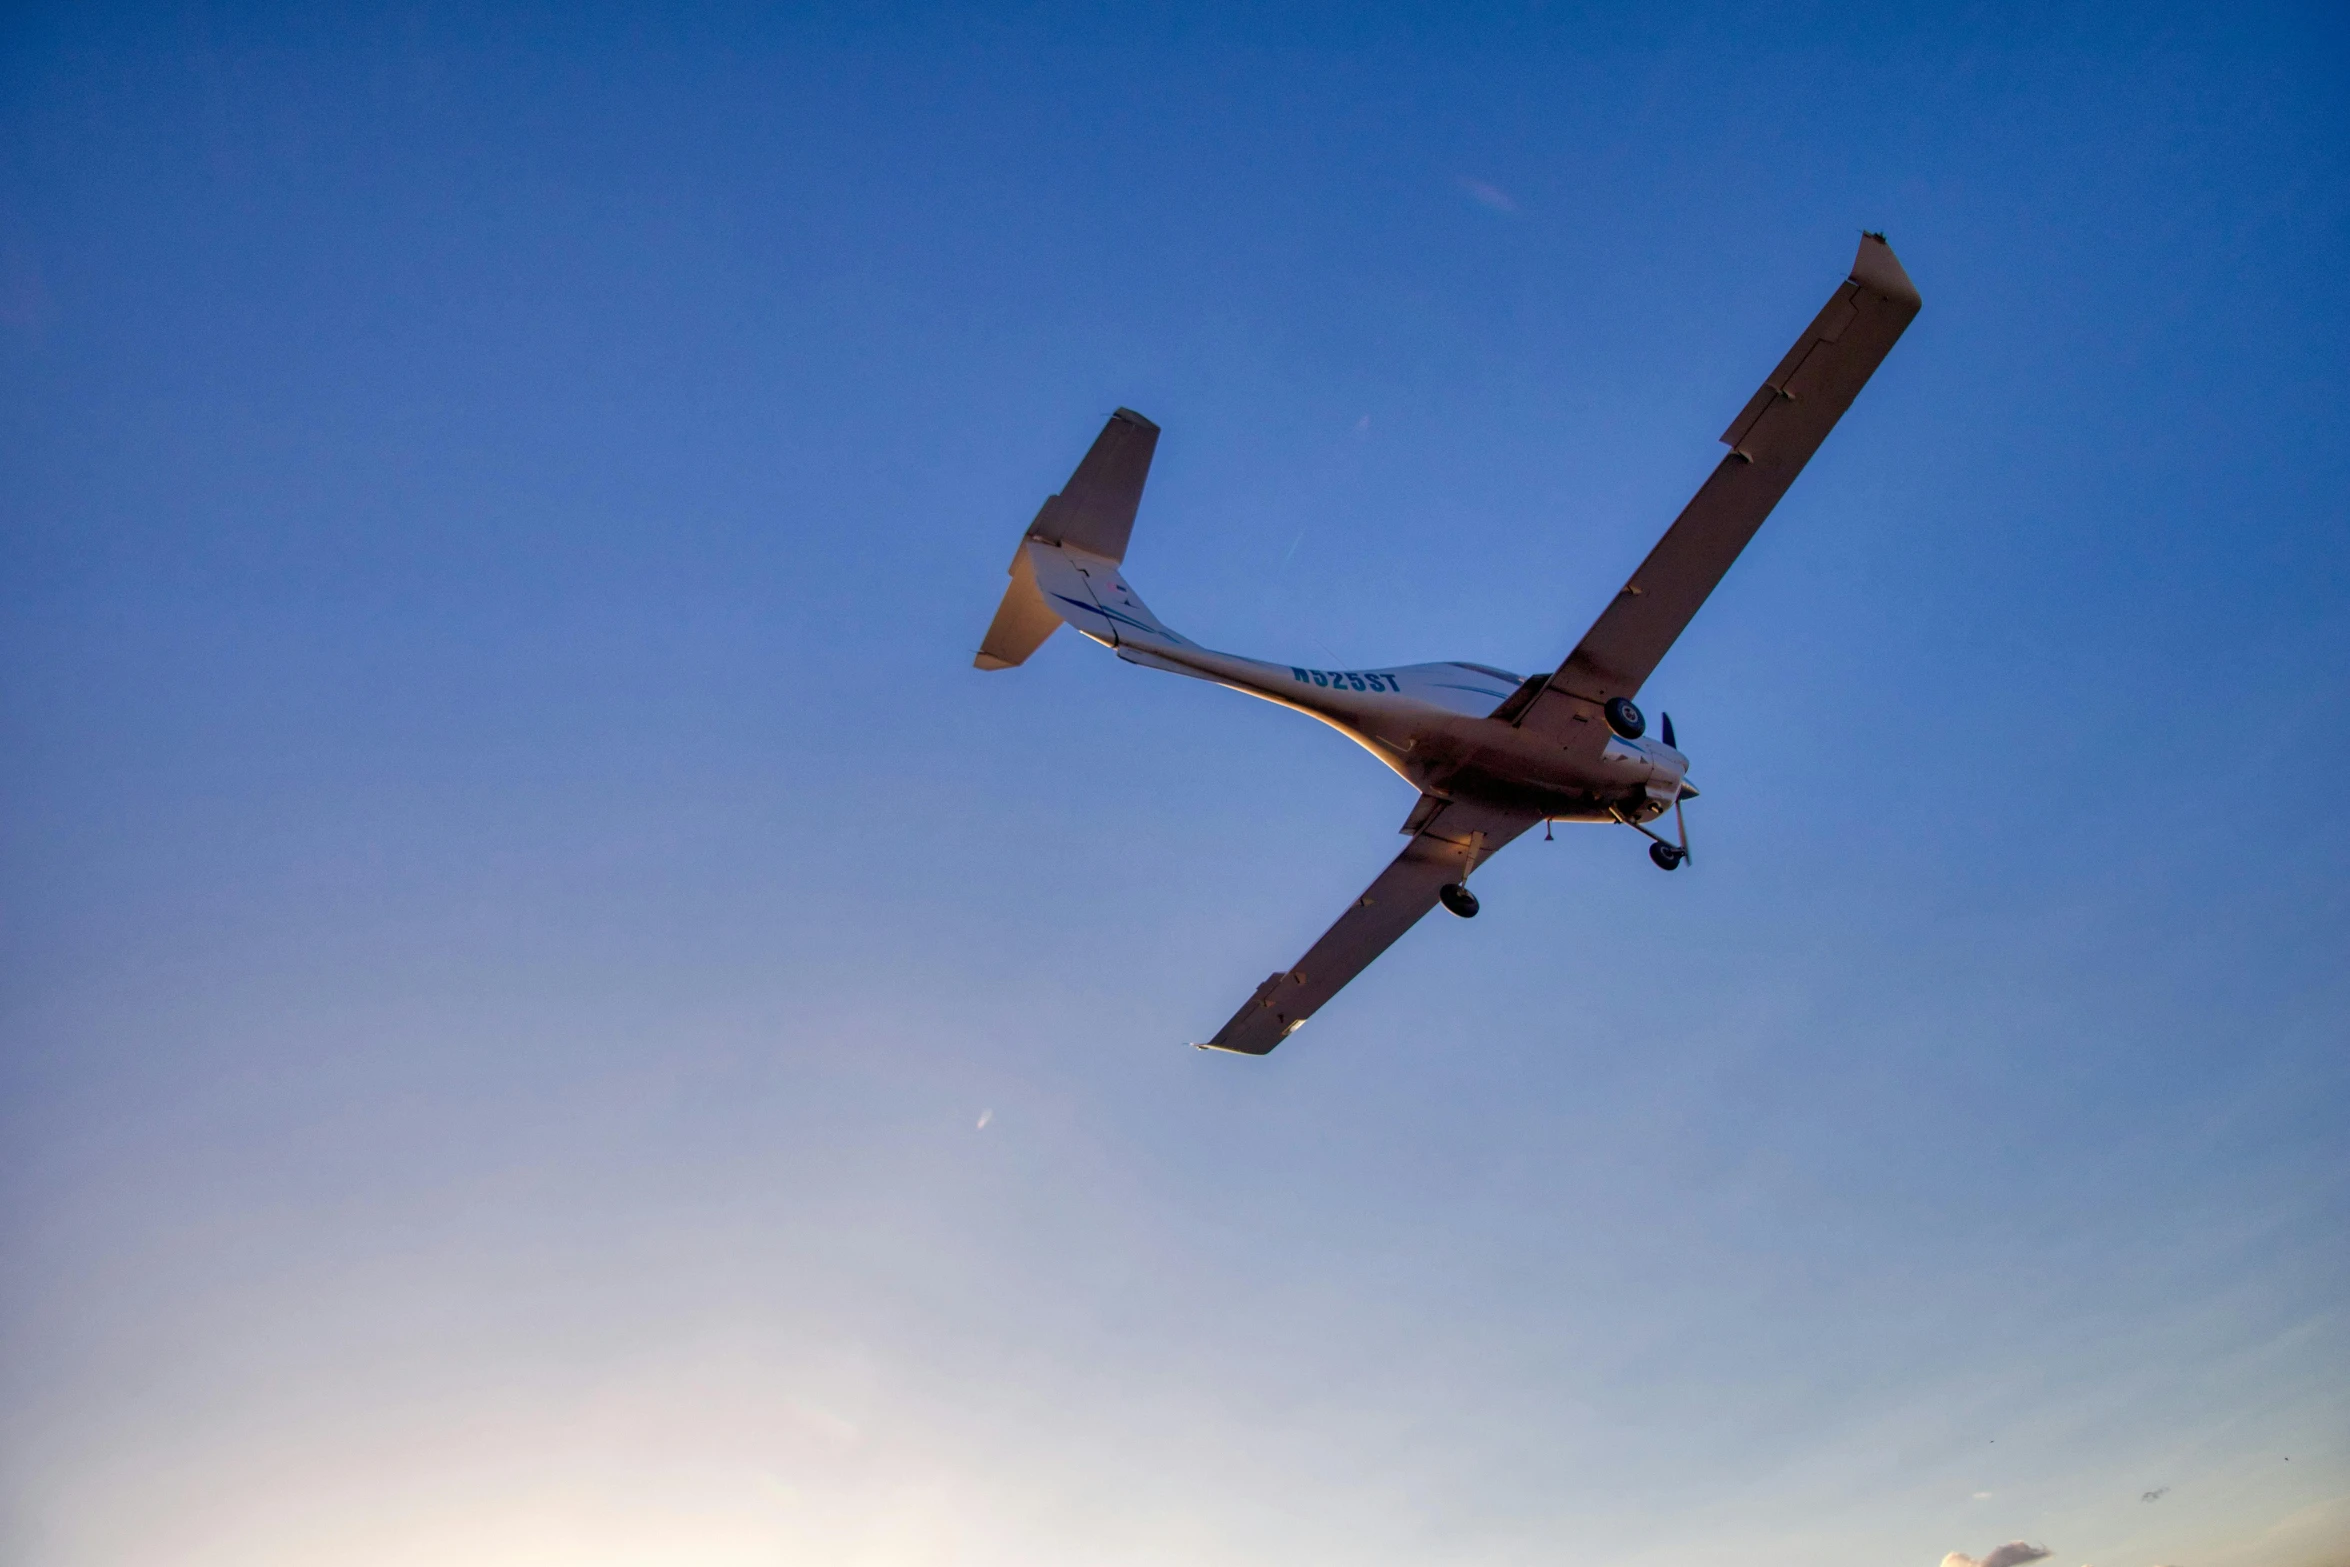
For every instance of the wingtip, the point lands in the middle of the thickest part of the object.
(1131, 417)
(1879, 271)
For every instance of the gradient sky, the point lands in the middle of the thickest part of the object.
(550, 1017)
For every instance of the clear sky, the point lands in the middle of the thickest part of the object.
(551, 1017)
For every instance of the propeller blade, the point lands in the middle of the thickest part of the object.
(1668, 718)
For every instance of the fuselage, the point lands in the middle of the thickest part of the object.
(1431, 724)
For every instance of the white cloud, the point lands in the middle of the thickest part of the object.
(2013, 1554)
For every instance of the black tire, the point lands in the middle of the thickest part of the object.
(1459, 899)
(1666, 856)
(1625, 718)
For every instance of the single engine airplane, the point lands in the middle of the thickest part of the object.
(1490, 753)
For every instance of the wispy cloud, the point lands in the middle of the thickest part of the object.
(1488, 195)
(2013, 1554)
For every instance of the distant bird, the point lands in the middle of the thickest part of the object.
(2156, 1495)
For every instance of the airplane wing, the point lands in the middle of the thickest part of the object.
(1772, 438)
(1444, 848)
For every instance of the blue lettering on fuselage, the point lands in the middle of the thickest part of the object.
(1347, 679)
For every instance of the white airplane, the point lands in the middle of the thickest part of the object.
(1491, 754)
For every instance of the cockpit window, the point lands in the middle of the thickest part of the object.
(1488, 669)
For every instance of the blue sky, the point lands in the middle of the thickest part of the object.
(549, 1016)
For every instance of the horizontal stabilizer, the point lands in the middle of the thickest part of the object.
(1095, 511)
(1022, 621)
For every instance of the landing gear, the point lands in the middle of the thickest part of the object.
(1624, 717)
(1667, 856)
(1455, 895)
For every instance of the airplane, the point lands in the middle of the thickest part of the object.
(1491, 753)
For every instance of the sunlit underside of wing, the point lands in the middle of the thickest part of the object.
(1458, 837)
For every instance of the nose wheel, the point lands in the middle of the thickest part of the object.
(1666, 856)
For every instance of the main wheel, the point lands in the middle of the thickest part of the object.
(1625, 718)
(1459, 899)
(1666, 856)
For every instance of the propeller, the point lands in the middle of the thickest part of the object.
(1679, 825)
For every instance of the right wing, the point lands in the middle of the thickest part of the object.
(1447, 845)
(1772, 438)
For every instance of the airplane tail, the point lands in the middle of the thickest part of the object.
(1066, 568)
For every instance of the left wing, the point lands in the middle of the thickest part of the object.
(1447, 846)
